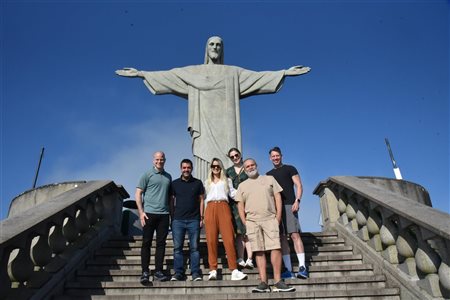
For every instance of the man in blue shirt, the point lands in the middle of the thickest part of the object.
(152, 200)
(186, 207)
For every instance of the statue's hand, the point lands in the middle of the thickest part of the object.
(297, 70)
(128, 72)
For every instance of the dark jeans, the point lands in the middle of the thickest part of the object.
(160, 223)
(179, 229)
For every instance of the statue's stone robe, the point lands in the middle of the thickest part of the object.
(213, 92)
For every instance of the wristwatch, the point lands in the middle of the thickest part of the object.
(297, 200)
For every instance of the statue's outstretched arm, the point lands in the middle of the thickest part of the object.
(129, 72)
(297, 70)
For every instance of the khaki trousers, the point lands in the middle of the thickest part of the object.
(218, 220)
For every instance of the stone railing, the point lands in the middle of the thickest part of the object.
(406, 240)
(42, 246)
(39, 195)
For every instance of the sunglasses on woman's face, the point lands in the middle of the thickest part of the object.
(215, 167)
(234, 156)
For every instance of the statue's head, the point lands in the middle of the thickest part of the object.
(214, 51)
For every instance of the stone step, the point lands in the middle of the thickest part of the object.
(335, 273)
(334, 259)
(385, 294)
(306, 238)
(224, 286)
(340, 270)
(304, 235)
(125, 253)
(169, 244)
(138, 240)
(320, 260)
(315, 272)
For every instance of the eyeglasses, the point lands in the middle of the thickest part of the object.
(215, 167)
(235, 156)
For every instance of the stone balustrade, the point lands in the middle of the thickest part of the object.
(408, 240)
(41, 246)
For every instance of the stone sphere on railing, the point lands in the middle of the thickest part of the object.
(406, 244)
(342, 206)
(361, 215)
(374, 223)
(351, 209)
(388, 233)
(427, 259)
(444, 275)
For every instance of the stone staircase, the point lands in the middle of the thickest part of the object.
(336, 272)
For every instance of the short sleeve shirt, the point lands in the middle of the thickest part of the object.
(258, 197)
(156, 187)
(187, 198)
(283, 176)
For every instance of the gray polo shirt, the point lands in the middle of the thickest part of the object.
(156, 187)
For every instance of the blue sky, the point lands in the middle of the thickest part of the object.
(379, 69)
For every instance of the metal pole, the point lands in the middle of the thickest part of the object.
(38, 167)
(398, 174)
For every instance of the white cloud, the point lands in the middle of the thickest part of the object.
(128, 153)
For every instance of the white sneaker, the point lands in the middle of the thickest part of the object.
(249, 263)
(212, 275)
(237, 275)
(241, 262)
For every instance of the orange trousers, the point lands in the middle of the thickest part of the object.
(218, 220)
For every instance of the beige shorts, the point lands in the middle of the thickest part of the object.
(263, 235)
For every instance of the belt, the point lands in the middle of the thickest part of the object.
(217, 201)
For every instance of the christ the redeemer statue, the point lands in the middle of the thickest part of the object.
(213, 91)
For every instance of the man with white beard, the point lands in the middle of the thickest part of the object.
(259, 204)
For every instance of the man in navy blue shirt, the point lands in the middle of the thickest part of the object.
(186, 207)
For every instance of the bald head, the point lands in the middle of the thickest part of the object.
(159, 153)
(159, 159)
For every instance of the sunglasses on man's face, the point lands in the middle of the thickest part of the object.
(215, 167)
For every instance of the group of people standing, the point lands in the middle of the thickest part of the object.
(253, 213)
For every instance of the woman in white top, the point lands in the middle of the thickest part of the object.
(218, 219)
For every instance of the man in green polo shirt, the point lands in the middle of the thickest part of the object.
(152, 200)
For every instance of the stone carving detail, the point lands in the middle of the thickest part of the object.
(388, 236)
(56, 239)
(422, 253)
(407, 246)
(20, 266)
(374, 226)
(81, 221)
(30, 258)
(69, 229)
(361, 218)
(41, 253)
(91, 215)
(444, 275)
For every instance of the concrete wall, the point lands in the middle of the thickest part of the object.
(407, 189)
(31, 198)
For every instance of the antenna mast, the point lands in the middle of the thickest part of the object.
(38, 167)
(397, 173)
